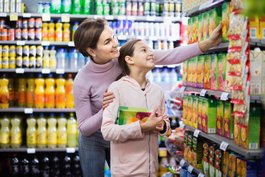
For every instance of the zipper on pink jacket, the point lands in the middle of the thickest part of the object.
(149, 139)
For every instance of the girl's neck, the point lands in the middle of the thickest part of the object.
(140, 78)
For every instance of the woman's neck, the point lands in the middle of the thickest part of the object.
(140, 77)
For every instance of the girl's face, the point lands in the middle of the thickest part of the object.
(107, 47)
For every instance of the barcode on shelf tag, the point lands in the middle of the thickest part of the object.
(45, 43)
(190, 169)
(45, 71)
(109, 17)
(201, 175)
(28, 110)
(71, 44)
(203, 92)
(65, 18)
(70, 150)
(46, 17)
(224, 145)
(20, 70)
(26, 15)
(20, 42)
(13, 17)
(224, 96)
(196, 133)
(59, 71)
(182, 89)
(182, 162)
(3, 14)
(31, 150)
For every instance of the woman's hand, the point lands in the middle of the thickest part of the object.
(213, 40)
(107, 99)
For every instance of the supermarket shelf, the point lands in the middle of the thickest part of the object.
(33, 110)
(257, 42)
(67, 17)
(219, 48)
(37, 70)
(190, 168)
(36, 150)
(204, 7)
(248, 154)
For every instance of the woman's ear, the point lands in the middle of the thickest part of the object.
(91, 52)
(129, 60)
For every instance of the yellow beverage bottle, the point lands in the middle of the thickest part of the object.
(39, 92)
(49, 92)
(51, 31)
(59, 31)
(11, 90)
(71, 131)
(45, 32)
(60, 92)
(21, 92)
(69, 91)
(46, 58)
(52, 132)
(16, 133)
(61, 132)
(4, 92)
(30, 91)
(31, 132)
(53, 61)
(66, 32)
(5, 132)
(41, 132)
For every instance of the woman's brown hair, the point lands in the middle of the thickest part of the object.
(87, 35)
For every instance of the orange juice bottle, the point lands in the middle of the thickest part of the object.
(11, 90)
(69, 91)
(59, 31)
(4, 93)
(66, 32)
(30, 91)
(22, 92)
(39, 92)
(60, 92)
(49, 92)
(51, 31)
(45, 32)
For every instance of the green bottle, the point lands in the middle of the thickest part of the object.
(55, 6)
(71, 131)
(76, 7)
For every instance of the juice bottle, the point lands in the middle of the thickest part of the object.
(30, 91)
(21, 92)
(5, 132)
(55, 6)
(51, 132)
(66, 6)
(71, 131)
(41, 132)
(59, 31)
(11, 90)
(46, 58)
(45, 32)
(66, 32)
(76, 7)
(39, 92)
(49, 92)
(51, 33)
(15, 133)
(69, 91)
(61, 132)
(4, 93)
(31, 132)
(74, 28)
(53, 62)
(60, 92)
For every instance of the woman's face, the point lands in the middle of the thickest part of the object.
(107, 47)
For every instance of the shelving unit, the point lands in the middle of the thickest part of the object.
(190, 168)
(36, 150)
(33, 110)
(37, 70)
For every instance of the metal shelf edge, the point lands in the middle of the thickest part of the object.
(24, 149)
(36, 110)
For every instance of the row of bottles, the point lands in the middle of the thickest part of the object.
(12, 6)
(41, 131)
(37, 92)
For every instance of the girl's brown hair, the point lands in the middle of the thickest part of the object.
(126, 50)
(87, 35)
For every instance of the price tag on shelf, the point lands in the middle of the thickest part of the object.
(13, 17)
(122, 17)
(70, 150)
(190, 169)
(182, 162)
(20, 70)
(224, 145)
(31, 150)
(131, 18)
(45, 43)
(26, 15)
(71, 44)
(203, 92)
(201, 175)
(152, 18)
(3, 14)
(109, 17)
(182, 89)
(196, 133)
(122, 37)
(28, 110)
(45, 71)
(65, 18)
(46, 17)
(224, 96)
(59, 71)
(21, 42)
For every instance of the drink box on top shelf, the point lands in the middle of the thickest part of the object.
(225, 21)
(214, 72)
(215, 17)
(222, 59)
(207, 71)
(200, 71)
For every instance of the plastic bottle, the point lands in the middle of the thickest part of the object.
(53, 60)
(51, 132)
(51, 33)
(4, 93)
(45, 32)
(35, 167)
(15, 166)
(73, 59)
(86, 6)
(25, 167)
(46, 58)
(11, 91)
(71, 131)
(39, 92)
(74, 28)
(21, 92)
(66, 32)
(45, 167)
(61, 132)
(76, 167)
(5, 132)
(60, 92)
(66, 6)
(49, 92)
(59, 31)
(31, 132)
(30, 91)
(16, 133)
(61, 59)
(41, 132)
(76, 7)
(67, 166)
(55, 6)
(69, 91)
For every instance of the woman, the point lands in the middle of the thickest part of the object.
(94, 38)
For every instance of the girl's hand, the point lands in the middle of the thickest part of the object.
(152, 122)
(107, 99)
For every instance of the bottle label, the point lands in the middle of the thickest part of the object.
(62, 138)
(39, 98)
(60, 98)
(4, 98)
(16, 138)
(51, 138)
(41, 138)
(4, 138)
(31, 138)
(30, 98)
(49, 99)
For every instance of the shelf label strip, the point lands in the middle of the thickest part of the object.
(196, 133)
(31, 150)
(224, 145)
(70, 150)
(20, 70)
(203, 92)
(28, 110)
(224, 96)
